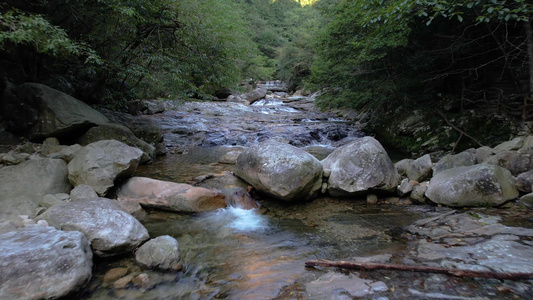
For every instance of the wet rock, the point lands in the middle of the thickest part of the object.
(123, 282)
(465, 158)
(100, 163)
(231, 156)
(280, 170)
(478, 185)
(40, 262)
(38, 111)
(114, 274)
(360, 166)
(131, 206)
(371, 199)
(524, 181)
(152, 107)
(24, 185)
(258, 93)
(120, 133)
(240, 198)
(418, 194)
(170, 195)
(513, 161)
(333, 285)
(160, 253)
(144, 127)
(110, 230)
(82, 192)
(141, 281)
(406, 186)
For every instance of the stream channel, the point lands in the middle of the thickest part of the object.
(259, 254)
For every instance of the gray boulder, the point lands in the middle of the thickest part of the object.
(66, 153)
(280, 170)
(82, 192)
(24, 185)
(360, 166)
(478, 185)
(40, 262)
(38, 111)
(120, 133)
(100, 163)
(524, 182)
(160, 253)
(513, 161)
(418, 194)
(465, 158)
(257, 94)
(511, 145)
(110, 230)
(171, 196)
(418, 170)
(483, 153)
(527, 200)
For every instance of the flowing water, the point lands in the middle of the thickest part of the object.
(259, 254)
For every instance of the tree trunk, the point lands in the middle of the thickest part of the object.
(448, 271)
(529, 40)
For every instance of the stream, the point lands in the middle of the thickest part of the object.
(259, 254)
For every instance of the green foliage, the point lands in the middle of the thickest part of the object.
(17, 28)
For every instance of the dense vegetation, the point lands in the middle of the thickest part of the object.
(359, 53)
(420, 52)
(107, 51)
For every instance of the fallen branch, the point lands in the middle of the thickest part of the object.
(448, 271)
(458, 130)
(429, 220)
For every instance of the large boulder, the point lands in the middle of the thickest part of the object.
(161, 253)
(465, 158)
(257, 94)
(524, 181)
(514, 161)
(478, 185)
(40, 262)
(171, 196)
(100, 163)
(110, 230)
(280, 170)
(38, 111)
(360, 166)
(23, 186)
(120, 133)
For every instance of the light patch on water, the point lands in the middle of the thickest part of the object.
(238, 219)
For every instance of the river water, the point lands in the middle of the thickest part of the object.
(259, 254)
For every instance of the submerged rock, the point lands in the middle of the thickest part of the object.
(360, 166)
(160, 253)
(280, 170)
(110, 230)
(171, 196)
(339, 286)
(478, 185)
(40, 262)
(100, 163)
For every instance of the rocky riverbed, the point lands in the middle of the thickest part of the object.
(245, 195)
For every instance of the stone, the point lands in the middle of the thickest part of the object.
(513, 161)
(123, 282)
(66, 153)
(110, 230)
(527, 200)
(14, 158)
(511, 145)
(524, 181)
(360, 166)
(82, 192)
(152, 107)
(231, 156)
(40, 262)
(421, 168)
(406, 186)
(483, 153)
(333, 285)
(114, 274)
(257, 94)
(418, 194)
(145, 128)
(237, 99)
(100, 163)
(371, 199)
(280, 170)
(141, 280)
(38, 111)
(240, 198)
(24, 185)
(119, 133)
(465, 158)
(171, 196)
(50, 200)
(161, 253)
(50, 145)
(478, 185)
(131, 206)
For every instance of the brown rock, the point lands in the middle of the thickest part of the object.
(114, 274)
(123, 282)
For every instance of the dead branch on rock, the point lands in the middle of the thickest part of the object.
(448, 271)
(458, 130)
